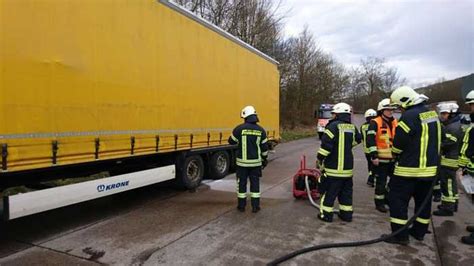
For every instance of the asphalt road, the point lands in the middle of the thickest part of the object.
(160, 225)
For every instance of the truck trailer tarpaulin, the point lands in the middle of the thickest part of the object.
(86, 81)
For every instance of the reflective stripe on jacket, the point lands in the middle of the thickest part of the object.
(336, 147)
(417, 142)
(363, 130)
(252, 141)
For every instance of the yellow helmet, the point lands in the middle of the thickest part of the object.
(406, 97)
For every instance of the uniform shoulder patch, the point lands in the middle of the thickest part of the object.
(251, 132)
(429, 117)
(350, 128)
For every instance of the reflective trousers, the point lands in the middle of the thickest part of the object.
(401, 190)
(332, 188)
(381, 174)
(370, 168)
(244, 174)
(449, 188)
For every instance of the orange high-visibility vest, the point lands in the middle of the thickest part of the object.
(384, 138)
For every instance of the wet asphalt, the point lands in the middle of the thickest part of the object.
(159, 225)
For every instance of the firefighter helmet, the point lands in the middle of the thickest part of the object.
(447, 107)
(385, 104)
(370, 113)
(406, 97)
(341, 108)
(470, 97)
(248, 111)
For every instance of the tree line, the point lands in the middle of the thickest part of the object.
(309, 76)
(448, 90)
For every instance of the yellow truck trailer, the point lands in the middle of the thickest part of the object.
(123, 85)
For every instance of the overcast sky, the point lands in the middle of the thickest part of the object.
(425, 39)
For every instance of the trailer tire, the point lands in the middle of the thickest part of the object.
(219, 164)
(192, 172)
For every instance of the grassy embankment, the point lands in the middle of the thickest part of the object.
(297, 133)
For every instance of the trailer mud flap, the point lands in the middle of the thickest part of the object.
(47, 199)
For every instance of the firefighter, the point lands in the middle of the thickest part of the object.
(466, 161)
(379, 143)
(466, 158)
(369, 115)
(336, 158)
(451, 119)
(416, 144)
(251, 157)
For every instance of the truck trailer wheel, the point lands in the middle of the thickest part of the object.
(190, 175)
(219, 164)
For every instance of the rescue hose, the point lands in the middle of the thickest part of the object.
(308, 190)
(357, 243)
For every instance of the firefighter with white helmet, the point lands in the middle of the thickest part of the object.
(336, 158)
(470, 98)
(251, 156)
(451, 120)
(416, 144)
(369, 115)
(466, 158)
(379, 144)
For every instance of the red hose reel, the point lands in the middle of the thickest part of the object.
(299, 185)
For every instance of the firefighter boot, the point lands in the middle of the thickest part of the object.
(443, 212)
(325, 217)
(412, 232)
(345, 218)
(397, 240)
(469, 240)
(437, 195)
(381, 208)
(370, 181)
(255, 209)
(241, 204)
(445, 209)
(255, 204)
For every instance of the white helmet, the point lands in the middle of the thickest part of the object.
(385, 104)
(470, 97)
(406, 97)
(341, 108)
(248, 111)
(447, 107)
(370, 113)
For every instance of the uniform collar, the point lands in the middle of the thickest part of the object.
(252, 119)
(453, 119)
(344, 117)
(387, 119)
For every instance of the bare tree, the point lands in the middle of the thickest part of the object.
(311, 77)
(256, 22)
(391, 80)
(372, 81)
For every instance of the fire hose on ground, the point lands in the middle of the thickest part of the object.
(293, 254)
